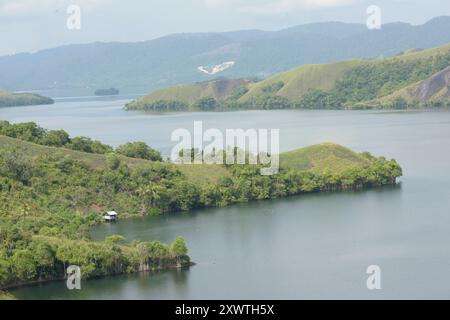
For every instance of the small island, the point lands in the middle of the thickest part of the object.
(10, 99)
(107, 92)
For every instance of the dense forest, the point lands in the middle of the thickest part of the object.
(49, 201)
(48, 204)
(46, 211)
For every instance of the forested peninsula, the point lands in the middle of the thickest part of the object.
(54, 188)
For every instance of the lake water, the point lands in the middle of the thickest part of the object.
(310, 246)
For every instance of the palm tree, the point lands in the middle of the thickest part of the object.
(150, 193)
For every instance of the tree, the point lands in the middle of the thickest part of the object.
(56, 138)
(139, 150)
(273, 87)
(179, 247)
(112, 161)
(151, 194)
(205, 104)
(115, 238)
(28, 131)
(179, 250)
(81, 144)
(16, 166)
(88, 145)
(5, 273)
(158, 106)
(64, 253)
(157, 249)
(143, 254)
(399, 103)
(23, 264)
(3, 126)
(44, 257)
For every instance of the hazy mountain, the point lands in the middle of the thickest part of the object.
(10, 99)
(143, 66)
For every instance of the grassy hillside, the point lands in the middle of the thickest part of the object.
(95, 161)
(320, 157)
(190, 93)
(299, 81)
(434, 90)
(348, 84)
(326, 156)
(204, 96)
(9, 99)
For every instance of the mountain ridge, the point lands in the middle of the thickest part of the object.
(148, 65)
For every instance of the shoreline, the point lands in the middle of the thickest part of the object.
(191, 263)
(46, 281)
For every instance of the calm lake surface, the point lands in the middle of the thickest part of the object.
(312, 246)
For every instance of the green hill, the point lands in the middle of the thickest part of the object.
(413, 75)
(297, 82)
(51, 196)
(197, 174)
(326, 156)
(9, 99)
(320, 157)
(194, 97)
(97, 183)
(433, 91)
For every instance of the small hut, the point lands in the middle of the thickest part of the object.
(110, 216)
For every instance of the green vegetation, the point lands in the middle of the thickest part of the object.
(50, 196)
(159, 106)
(297, 82)
(8, 99)
(411, 80)
(31, 132)
(139, 150)
(204, 96)
(368, 82)
(48, 203)
(6, 296)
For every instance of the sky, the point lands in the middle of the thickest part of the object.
(31, 25)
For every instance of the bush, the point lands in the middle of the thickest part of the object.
(139, 150)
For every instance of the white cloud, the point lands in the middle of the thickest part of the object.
(277, 6)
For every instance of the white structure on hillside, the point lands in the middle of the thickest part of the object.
(110, 216)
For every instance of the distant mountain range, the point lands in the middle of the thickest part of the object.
(187, 58)
(417, 78)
